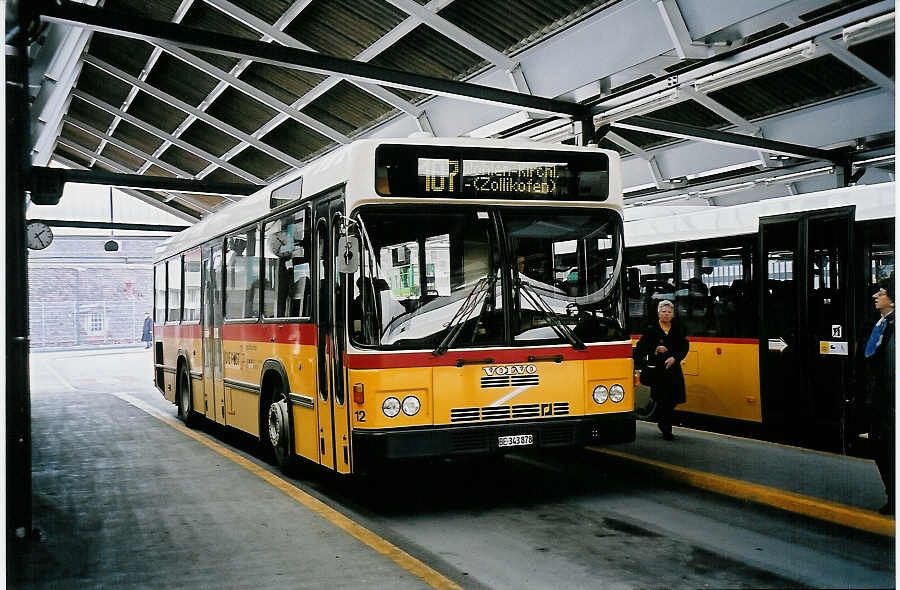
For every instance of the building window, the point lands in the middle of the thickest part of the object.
(96, 322)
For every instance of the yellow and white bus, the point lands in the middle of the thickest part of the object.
(403, 299)
(775, 296)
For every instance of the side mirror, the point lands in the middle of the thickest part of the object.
(346, 259)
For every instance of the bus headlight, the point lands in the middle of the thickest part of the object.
(411, 405)
(616, 393)
(601, 394)
(391, 407)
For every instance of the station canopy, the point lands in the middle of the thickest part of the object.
(708, 103)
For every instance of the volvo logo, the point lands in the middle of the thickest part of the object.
(510, 370)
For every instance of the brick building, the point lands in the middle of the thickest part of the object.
(81, 295)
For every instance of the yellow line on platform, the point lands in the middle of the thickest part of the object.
(354, 529)
(857, 518)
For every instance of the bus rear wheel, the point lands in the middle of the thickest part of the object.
(185, 409)
(280, 431)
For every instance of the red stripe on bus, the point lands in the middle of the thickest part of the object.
(514, 355)
(723, 340)
(712, 339)
(277, 333)
(182, 331)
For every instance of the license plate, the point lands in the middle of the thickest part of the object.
(516, 440)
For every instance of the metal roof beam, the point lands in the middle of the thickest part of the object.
(191, 216)
(652, 163)
(867, 114)
(455, 34)
(709, 189)
(741, 55)
(191, 110)
(89, 153)
(840, 51)
(145, 73)
(743, 125)
(166, 136)
(395, 34)
(145, 181)
(112, 225)
(283, 21)
(718, 108)
(681, 131)
(51, 103)
(678, 32)
(155, 31)
(126, 147)
(277, 34)
(258, 95)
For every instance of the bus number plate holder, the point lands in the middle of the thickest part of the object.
(515, 440)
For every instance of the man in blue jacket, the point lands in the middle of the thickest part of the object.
(881, 364)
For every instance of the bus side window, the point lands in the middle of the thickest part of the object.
(159, 293)
(655, 268)
(242, 275)
(286, 268)
(173, 296)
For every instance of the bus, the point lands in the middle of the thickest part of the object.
(775, 296)
(406, 299)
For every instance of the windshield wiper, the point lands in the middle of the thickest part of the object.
(465, 311)
(540, 305)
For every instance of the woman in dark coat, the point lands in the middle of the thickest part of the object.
(665, 345)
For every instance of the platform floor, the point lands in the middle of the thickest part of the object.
(122, 498)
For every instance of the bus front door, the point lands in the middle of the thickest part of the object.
(805, 325)
(213, 379)
(331, 407)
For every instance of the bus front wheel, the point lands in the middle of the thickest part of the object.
(280, 431)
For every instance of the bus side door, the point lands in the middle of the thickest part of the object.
(213, 378)
(805, 323)
(338, 293)
(331, 408)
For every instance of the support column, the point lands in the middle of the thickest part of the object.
(584, 130)
(18, 394)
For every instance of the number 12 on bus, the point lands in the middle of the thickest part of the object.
(404, 299)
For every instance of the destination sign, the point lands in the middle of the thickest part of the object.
(484, 178)
(554, 175)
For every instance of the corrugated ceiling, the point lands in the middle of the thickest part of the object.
(231, 136)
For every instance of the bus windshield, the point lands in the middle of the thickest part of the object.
(461, 277)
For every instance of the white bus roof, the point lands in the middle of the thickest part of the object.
(354, 164)
(875, 201)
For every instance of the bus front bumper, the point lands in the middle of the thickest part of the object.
(484, 438)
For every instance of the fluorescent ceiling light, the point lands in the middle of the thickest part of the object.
(868, 30)
(500, 125)
(641, 106)
(757, 67)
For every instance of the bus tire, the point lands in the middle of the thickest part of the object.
(279, 431)
(185, 400)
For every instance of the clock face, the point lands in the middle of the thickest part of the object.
(38, 235)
